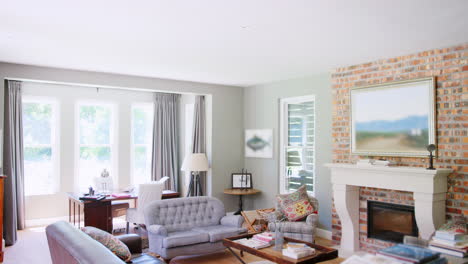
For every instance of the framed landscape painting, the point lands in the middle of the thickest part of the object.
(394, 119)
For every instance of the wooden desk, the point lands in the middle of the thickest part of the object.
(98, 213)
(240, 193)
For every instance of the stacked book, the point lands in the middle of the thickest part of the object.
(258, 241)
(98, 197)
(297, 250)
(408, 254)
(451, 239)
(253, 243)
(267, 237)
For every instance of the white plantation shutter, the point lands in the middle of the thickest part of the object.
(298, 143)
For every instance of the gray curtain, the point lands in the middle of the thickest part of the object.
(165, 161)
(13, 217)
(199, 133)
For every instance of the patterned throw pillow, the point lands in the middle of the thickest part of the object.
(295, 206)
(109, 241)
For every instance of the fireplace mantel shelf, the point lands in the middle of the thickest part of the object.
(429, 188)
(408, 179)
(391, 169)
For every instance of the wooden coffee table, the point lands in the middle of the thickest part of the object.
(321, 253)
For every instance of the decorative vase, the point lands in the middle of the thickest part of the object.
(279, 237)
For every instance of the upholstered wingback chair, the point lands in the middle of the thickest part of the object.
(302, 230)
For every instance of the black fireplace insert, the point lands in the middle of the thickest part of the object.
(390, 222)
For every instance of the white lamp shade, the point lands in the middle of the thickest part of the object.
(195, 162)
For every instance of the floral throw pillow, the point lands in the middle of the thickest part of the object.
(295, 206)
(109, 241)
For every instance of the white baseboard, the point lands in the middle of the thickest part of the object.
(324, 233)
(45, 221)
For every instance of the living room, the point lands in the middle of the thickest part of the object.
(232, 110)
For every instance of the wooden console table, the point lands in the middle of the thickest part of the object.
(240, 193)
(98, 213)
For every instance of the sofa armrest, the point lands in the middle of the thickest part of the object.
(232, 220)
(132, 241)
(312, 219)
(157, 230)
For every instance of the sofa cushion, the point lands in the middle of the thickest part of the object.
(218, 232)
(295, 206)
(184, 238)
(111, 242)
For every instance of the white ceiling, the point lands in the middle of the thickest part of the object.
(236, 42)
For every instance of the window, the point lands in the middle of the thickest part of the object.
(297, 144)
(95, 140)
(40, 146)
(142, 142)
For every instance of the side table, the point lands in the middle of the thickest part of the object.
(240, 193)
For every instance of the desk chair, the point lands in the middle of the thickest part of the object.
(147, 193)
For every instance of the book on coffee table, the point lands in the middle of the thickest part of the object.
(317, 253)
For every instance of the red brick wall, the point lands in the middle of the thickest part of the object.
(450, 67)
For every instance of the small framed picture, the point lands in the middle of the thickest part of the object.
(242, 181)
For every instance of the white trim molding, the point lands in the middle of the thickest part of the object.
(323, 233)
(429, 188)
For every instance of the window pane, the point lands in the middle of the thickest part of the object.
(300, 168)
(95, 123)
(93, 160)
(38, 171)
(141, 164)
(142, 122)
(37, 122)
(301, 124)
(142, 139)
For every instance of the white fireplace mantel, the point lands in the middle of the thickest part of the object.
(429, 188)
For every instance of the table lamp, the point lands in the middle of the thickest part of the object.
(195, 163)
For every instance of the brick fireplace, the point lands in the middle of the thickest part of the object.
(367, 194)
(429, 189)
(450, 68)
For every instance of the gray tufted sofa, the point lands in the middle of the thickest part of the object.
(189, 226)
(302, 230)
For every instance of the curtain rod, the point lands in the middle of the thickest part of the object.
(96, 86)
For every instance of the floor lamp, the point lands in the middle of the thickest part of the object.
(195, 163)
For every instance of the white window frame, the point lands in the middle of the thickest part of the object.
(113, 136)
(132, 144)
(283, 136)
(54, 137)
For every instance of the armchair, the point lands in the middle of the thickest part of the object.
(302, 230)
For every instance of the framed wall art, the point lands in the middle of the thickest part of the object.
(242, 180)
(259, 143)
(393, 119)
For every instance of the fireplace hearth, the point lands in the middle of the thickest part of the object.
(390, 222)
